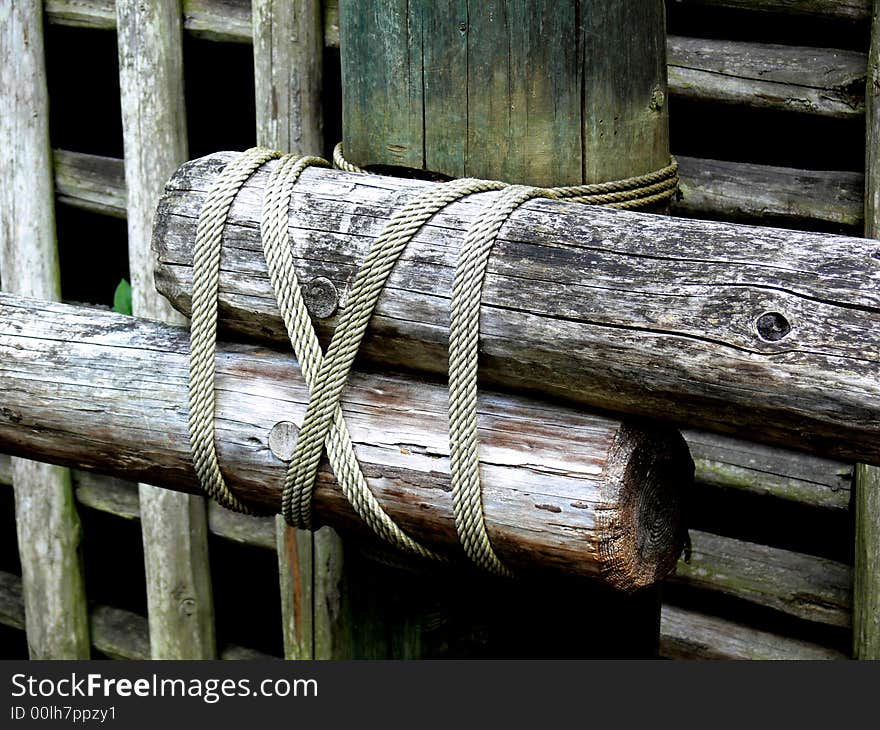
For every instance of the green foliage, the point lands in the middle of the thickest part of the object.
(122, 297)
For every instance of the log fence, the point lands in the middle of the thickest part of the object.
(816, 82)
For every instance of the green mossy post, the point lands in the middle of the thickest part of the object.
(540, 93)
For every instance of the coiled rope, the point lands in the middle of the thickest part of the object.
(326, 373)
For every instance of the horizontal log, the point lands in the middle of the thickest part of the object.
(90, 182)
(731, 191)
(116, 633)
(769, 333)
(562, 489)
(686, 634)
(819, 81)
(768, 195)
(804, 586)
(729, 463)
(848, 10)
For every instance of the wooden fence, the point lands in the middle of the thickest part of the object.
(741, 595)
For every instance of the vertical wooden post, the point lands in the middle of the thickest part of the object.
(536, 92)
(48, 527)
(527, 91)
(866, 498)
(174, 525)
(288, 63)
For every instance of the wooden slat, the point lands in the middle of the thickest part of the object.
(115, 632)
(729, 463)
(46, 521)
(735, 191)
(686, 634)
(175, 531)
(767, 195)
(288, 72)
(120, 498)
(819, 9)
(819, 81)
(804, 586)
(866, 594)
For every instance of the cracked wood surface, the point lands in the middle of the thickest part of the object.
(562, 489)
(766, 333)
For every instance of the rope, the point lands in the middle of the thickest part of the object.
(326, 373)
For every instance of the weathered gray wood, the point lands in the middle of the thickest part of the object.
(174, 526)
(119, 497)
(563, 490)
(117, 633)
(475, 89)
(688, 634)
(866, 584)
(824, 9)
(805, 586)
(629, 312)
(46, 521)
(731, 191)
(818, 81)
(767, 195)
(90, 182)
(729, 463)
(866, 595)
(288, 74)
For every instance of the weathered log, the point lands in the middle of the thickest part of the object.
(688, 634)
(475, 89)
(825, 82)
(804, 586)
(768, 333)
(729, 463)
(809, 200)
(823, 9)
(579, 493)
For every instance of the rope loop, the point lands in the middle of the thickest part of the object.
(326, 373)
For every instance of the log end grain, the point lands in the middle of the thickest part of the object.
(649, 474)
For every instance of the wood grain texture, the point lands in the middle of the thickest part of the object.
(866, 596)
(119, 497)
(474, 89)
(628, 312)
(686, 634)
(715, 189)
(804, 586)
(174, 526)
(288, 77)
(116, 633)
(723, 462)
(767, 195)
(819, 81)
(563, 489)
(47, 524)
(822, 9)
(90, 182)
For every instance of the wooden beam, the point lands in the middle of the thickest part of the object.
(473, 89)
(288, 76)
(767, 332)
(731, 191)
(116, 633)
(866, 598)
(848, 10)
(741, 192)
(804, 586)
(174, 526)
(134, 373)
(729, 463)
(49, 534)
(819, 81)
(686, 634)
